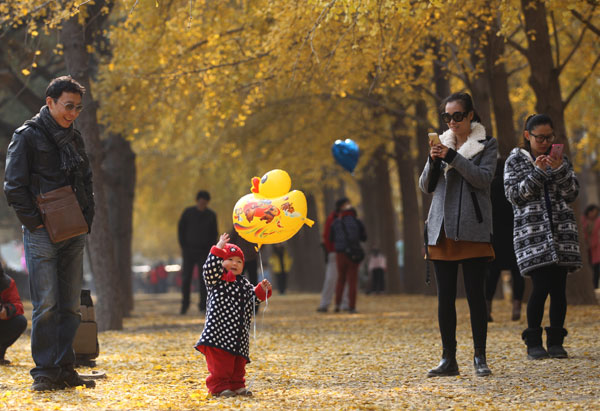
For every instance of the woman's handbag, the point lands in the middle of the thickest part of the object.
(61, 214)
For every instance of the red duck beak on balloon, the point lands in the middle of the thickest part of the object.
(271, 213)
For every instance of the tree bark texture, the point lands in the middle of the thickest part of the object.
(308, 257)
(100, 242)
(378, 216)
(414, 265)
(497, 78)
(544, 81)
(119, 169)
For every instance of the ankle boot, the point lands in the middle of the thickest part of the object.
(480, 363)
(516, 311)
(555, 338)
(447, 366)
(488, 304)
(533, 339)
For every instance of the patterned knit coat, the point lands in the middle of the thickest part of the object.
(229, 308)
(538, 239)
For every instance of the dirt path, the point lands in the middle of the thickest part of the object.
(376, 359)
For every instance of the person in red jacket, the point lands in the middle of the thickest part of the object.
(12, 320)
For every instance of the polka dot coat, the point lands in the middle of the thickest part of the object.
(229, 308)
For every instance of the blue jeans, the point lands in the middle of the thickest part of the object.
(55, 278)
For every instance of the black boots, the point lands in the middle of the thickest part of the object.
(556, 336)
(447, 366)
(533, 339)
(480, 363)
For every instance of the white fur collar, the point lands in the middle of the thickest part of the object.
(471, 147)
(527, 154)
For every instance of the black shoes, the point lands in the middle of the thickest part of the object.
(43, 383)
(480, 363)
(322, 309)
(533, 339)
(447, 367)
(71, 378)
(555, 338)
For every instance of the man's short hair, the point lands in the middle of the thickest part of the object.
(203, 194)
(63, 84)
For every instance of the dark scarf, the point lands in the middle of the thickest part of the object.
(70, 159)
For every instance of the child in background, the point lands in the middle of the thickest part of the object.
(231, 302)
(377, 267)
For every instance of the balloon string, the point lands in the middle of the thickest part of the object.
(262, 277)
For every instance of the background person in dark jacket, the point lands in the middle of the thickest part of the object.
(47, 153)
(197, 231)
(502, 221)
(12, 320)
(346, 230)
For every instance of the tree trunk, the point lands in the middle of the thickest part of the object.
(480, 89)
(544, 81)
(100, 242)
(442, 84)
(497, 78)
(378, 216)
(119, 168)
(414, 265)
(308, 259)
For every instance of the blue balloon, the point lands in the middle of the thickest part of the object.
(346, 153)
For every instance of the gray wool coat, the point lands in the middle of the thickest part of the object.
(461, 188)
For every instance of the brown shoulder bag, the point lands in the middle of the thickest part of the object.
(61, 213)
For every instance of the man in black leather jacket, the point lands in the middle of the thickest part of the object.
(44, 154)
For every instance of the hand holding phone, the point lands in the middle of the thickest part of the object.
(434, 138)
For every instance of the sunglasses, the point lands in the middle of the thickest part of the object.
(540, 137)
(457, 116)
(71, 106)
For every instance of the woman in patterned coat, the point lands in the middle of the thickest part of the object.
(232, 300)
(540, 187)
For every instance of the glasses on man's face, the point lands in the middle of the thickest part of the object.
(71, 106)
(541, 137)
(457, 116)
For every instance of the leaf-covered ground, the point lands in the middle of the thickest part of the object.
(376, 359)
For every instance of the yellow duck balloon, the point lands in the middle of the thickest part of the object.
(271, 213)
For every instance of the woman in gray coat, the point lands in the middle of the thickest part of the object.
(459, 226)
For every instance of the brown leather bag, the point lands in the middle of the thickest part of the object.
(61, 213)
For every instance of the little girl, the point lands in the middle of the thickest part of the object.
(231, 302)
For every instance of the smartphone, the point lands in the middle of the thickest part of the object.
(434, 138)
(557, 150)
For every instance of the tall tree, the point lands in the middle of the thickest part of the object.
(75, 41)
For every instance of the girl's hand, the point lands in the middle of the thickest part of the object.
(438, 151)
(224, 239)
(266, 285)
(554, 162)
(541, 162)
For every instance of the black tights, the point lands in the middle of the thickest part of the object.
(446, 273)
(551, 280)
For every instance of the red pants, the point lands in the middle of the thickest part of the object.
(347, 271)
(226, 370)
